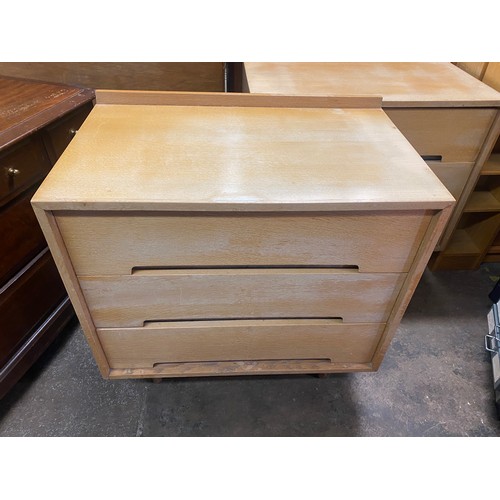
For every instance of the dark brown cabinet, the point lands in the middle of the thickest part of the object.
(37, 122)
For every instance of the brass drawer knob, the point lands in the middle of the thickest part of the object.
(12, 172)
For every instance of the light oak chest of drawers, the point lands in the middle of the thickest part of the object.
(449, 117)
(212, 234)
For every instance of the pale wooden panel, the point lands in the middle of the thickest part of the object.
(484, 154)
(266, 340)
(453, 175)
(234, 99)
(476, 69)
(65, 268)
(418, 266)
(125, 301)
(455, 134)
(192, 76)
(492, 75)
(239, 158)
(114, 243)
(232, 368)
(400, 84)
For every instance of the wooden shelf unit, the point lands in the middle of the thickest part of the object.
(480, 220)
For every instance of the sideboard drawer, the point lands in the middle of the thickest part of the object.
(119, 243)
(21, 166)
(117, 301)
(58, 135)
(21, 237)
(26, 301)
(239, 340)
(454, 134)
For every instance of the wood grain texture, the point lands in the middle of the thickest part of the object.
(492, 75)
(34, 305)
(191, 76)
(483, 156)
(26, 106)
(453, 175)
(21, 238)
(400, 84)
(233, 159)
(114, 243)
(31, 164)
(35, 345)
(476, 69)
(455, 134)
(234, 100)
(26, 300)
(146, 191)
(126, 301)
(248, 340)
(51, 232)
(427, 246)
(237, 368)
(59, 134)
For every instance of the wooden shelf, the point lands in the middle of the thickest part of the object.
(492, 257)
(492, 166)
(462, 244)
(482, 201)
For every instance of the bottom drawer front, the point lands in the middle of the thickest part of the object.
(239, 340)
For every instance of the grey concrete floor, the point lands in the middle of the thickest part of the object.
(435, 380)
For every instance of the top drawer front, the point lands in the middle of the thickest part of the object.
(21, 166)
(115, 243)
(456, 135)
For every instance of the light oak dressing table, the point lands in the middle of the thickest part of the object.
(231, 234)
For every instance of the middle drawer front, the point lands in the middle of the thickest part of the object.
(106, 243)
(125, 301)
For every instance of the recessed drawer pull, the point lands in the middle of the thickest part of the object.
(220, 270)
(432, 157)
(252, 362)
(310, 320)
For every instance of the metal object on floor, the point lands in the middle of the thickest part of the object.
(492, 345)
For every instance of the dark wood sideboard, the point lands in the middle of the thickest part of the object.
(37, 122)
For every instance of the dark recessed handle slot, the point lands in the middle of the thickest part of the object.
(432, 157)
(276, 319)
(321, 361)
(151, 269)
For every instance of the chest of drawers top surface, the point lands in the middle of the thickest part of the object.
(27, 106)
(219, 158)
(399, 84)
